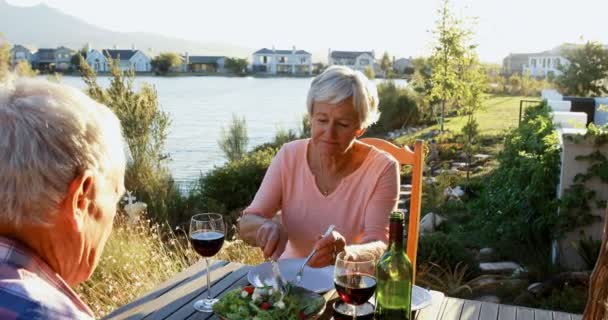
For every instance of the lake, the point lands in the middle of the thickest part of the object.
(200, 106)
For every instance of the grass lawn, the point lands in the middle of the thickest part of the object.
(499, 113)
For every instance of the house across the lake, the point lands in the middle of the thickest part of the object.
(19, 52)
(357, 60)
(44, 59)
(272, 61)
(211, 64)
(128, 59)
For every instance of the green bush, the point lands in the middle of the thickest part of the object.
(145, 128)
(230, 188)
(444, 250)
(517, 210)
(398, 108)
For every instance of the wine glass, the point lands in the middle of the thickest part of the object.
(207, 232)
(355, 280)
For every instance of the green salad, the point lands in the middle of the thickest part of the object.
(269, 304)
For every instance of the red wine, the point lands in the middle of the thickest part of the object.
(207, 243)
(355, 288)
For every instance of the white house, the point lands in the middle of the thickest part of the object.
(403, 65)
(357, 60)
(128, 59)
(271, 61)
(543, 63)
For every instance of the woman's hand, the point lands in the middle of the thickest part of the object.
(272, 239)
(327, 249)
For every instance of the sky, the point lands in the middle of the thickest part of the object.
(403, 28)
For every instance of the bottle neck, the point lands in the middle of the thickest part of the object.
(395, 238)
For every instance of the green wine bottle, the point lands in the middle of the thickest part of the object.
(394, 276)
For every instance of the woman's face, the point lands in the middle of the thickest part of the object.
(334, 126)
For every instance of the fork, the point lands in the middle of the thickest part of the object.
(312, 253)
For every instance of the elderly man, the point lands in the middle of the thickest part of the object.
(62, 166)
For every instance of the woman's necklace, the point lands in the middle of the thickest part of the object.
(323, 179)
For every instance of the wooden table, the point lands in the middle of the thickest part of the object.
(174, 298)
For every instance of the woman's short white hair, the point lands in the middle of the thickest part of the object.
(338, 83)
(49, 134)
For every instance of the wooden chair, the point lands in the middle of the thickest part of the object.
(405, 156)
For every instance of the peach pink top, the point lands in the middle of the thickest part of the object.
(359, 207)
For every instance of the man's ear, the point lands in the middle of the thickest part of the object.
(79, 198)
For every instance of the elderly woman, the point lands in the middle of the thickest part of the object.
(331, 178)
(62, 165)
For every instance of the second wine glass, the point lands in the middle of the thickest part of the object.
(207, 232)
(355, 280)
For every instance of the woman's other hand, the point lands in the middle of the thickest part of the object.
(272, 239)
(327, 249)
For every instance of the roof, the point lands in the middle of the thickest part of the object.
(20, 47)
(269, 51)
(115, 53)
(204, 59)
(348, 54)
(45, 51)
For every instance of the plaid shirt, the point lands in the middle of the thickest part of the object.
(30, 289)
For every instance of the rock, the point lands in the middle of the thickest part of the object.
(454, 193)
(459, 164)
(427, 225)
(488, 298)
(481, 157)
(406, 187)
(504, 267)
(487, 255)
(538, 289)
(489, 285)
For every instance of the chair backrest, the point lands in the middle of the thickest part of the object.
(405, 156)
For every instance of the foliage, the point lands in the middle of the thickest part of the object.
(369, 72)
(398, 108)
(145, 128)
(422, 83)
(454, 282)
(385, 64)
(452, 48)
(78, 58)
(586, 71)
(24, 69)
(444, 250)
(236, 65)
(567, 299)
(233, 140)
(165, 62)
(230, 188)
(517, 211)
(433, 197)
(319, 68)
(588, 249)
(5, 57)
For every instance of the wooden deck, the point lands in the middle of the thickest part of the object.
(174, 299)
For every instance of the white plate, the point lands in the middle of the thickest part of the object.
(318, 280)
(421, 298)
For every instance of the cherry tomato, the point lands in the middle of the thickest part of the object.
(248, 289)
(302, 315)
(265, 306)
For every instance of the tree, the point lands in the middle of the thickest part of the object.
(233, 140)
(5, 57)
(452, 45)
(586, 72)
(166, 61)
(422, 83)
(78, 58)
(385, 64)
(369, 72)
(24, 69)
(145, 127)
(236, 65)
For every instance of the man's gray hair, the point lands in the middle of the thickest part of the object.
(49, 135)
(338, 83)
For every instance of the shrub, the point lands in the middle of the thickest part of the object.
(517, 210)
(233, 140)
(145, 128)
(398, 108)
(446, 251)
(230, 188)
